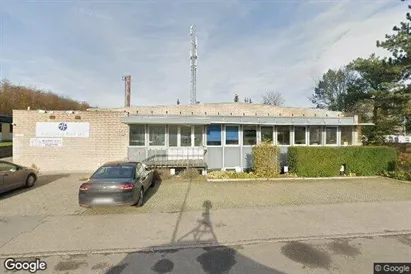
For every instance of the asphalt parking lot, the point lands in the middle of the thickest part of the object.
(56, 194)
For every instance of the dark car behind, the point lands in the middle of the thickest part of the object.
(116, 183)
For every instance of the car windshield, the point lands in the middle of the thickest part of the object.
(113, 172)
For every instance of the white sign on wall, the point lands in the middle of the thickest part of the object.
(46, 142)
(52, 129)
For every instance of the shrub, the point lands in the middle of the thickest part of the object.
(403, 168)
(190, 173)
(231, 175)
(326, 161)
(404, 162)
(266, 160)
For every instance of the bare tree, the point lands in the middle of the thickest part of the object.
(273, 98)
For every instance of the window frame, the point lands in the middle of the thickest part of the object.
(144, 135)
(321, 135)
(289, 135)
(272, 134)
(238, 135)
(256, 135)
(191, 135)
(351, 135)
(221, 135)
(305, 136)
(336, 135)
(165, 131)
(193, 131)
(177, 135)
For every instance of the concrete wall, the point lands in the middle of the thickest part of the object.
(108, 141)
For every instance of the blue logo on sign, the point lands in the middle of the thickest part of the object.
(62, 126)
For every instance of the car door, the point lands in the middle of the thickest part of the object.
(12, 177)
(142, 174)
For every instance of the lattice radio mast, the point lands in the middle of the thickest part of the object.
(193, 65)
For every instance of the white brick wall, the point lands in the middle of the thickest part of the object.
(108, 141)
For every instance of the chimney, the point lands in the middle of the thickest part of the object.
(127, 100)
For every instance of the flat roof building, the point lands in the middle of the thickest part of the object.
(207, 136)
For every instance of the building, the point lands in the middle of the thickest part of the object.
(207, 136)
(6, 128)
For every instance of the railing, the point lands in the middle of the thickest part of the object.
(176, 156)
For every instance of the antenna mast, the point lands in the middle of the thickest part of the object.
(193, 65)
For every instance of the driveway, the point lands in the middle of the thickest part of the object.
(57, 195)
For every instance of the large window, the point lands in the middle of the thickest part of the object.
(185, 136)
(299, 135)
(172, 136)
(231, 135)
(283, 135)
(267, 134)
(249, 135)
(331, 135)
(198, 136)
(137, 135)
(214, 135)
(346, 135)
(315, 135)
(157, 135)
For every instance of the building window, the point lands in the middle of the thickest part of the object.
(299, 135)
(249, 135)
(315, 135)
(185, 136)
(172, 136)
(198, 136)
(283, 135)
(11, 128)
(331, 135)
(157, 135)
(346, 135)
(231, 135)
(137, 135)
(267, 134)
(214, 135)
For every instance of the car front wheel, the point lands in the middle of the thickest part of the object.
(31, 179)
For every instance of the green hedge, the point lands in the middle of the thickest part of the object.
(266, 160)
(326, 161)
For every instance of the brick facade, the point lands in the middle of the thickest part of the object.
(108, 141)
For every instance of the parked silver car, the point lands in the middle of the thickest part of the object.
(117, 183)
(14, 176)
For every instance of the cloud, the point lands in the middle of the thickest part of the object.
(83, 49)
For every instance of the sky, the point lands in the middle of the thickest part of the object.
(82, 49)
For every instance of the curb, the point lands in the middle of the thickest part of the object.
(202, 245)
(398, 181)
(294, 178)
